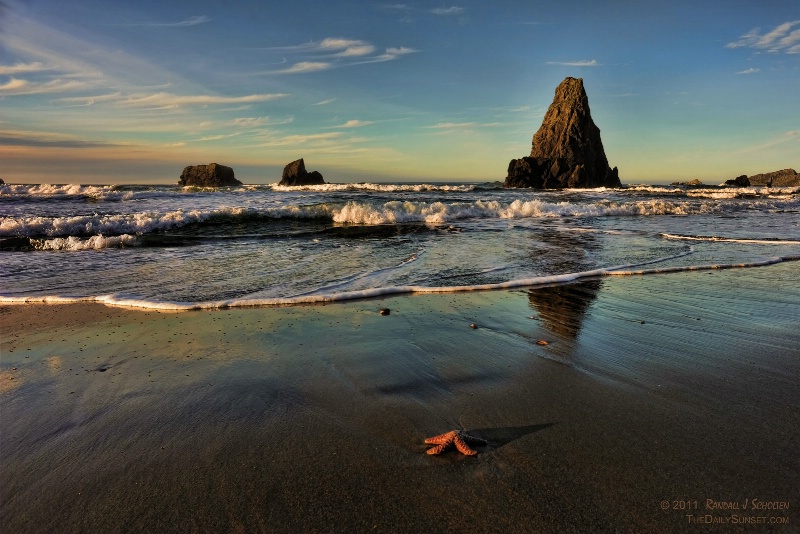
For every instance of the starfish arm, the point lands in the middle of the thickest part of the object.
(439, 448)
(442, 438)
(463, 448)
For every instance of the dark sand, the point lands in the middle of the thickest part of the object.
(651, 391)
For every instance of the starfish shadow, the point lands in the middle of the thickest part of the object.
(501, 436)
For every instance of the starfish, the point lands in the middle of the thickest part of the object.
(459, 438)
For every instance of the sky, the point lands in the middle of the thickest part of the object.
(131, 92)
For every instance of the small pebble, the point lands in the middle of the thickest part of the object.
(541, 342)
(473, 325)
(385, 311)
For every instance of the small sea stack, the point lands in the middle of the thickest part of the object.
(295, 174)
(211, 175)
(566, 150)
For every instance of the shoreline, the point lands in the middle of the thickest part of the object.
(677, 387)
(395, 291)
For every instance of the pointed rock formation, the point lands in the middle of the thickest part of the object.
(211, 175)
(567, 150)
(295, 174)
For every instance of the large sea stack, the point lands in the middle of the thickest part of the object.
(211, 175)
(295, 174)
(567, 150)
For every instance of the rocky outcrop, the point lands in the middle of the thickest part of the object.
(211, 175)
(566, 150)
(694, 182)
(739, 181)
(783, 178)
(295, 174)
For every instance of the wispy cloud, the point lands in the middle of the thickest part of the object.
(444, 128)
(164, 100)
(354, 124)
(298, 139)
(783, 38)
(580, 63)
(17, 86)
(13, 85)
(453, 10)
(346, 47)
(408, 10)
(217, 137)
(390, 55)
(258, 122)
(751, 70)
(170, 100)
(46, 139)
(325, 102)
(21, 68)
(191, 21)
(790, 136)
(304, 67)
(453, 125)
(91, 100)
(335, 52)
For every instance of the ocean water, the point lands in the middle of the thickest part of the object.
(174, 248)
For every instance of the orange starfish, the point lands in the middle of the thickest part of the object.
(459, 438)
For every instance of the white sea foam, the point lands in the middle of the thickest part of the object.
(625, 270)
(93, 192)
(717, 192)
(55, 190)
(96, 242)
(80, 225)
(352, 212)
(365, 212)
(383, 188)
(731, 239)
(441, 212)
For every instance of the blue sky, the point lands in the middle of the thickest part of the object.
(130, 92)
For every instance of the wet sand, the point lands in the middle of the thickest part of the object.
(653, 395)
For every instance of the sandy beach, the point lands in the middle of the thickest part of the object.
(659, 403)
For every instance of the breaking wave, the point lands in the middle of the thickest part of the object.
(96, 242)
(361, 213)
(121, 300)
(387, 188)
(717, 192)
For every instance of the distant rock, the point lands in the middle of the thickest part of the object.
(739, 181)
(1, 181)
(211, 175)
(295, 174)
(690, 182)
(783, 178)
(567, 150)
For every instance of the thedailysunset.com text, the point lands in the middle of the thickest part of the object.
(709, 519)
(747, 505)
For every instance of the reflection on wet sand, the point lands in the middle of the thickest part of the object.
(562, 307)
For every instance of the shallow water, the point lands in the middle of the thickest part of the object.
(171, 247)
